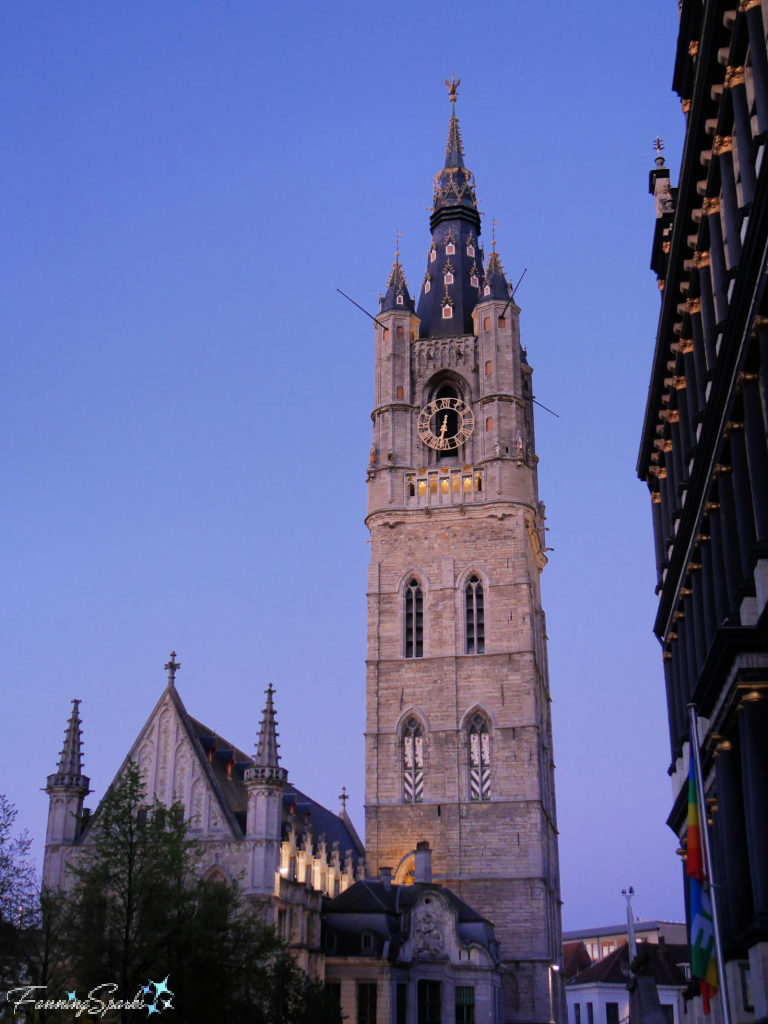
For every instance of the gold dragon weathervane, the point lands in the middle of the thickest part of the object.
(453, 88)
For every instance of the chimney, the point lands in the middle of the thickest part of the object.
(385, 877)
(422, 862)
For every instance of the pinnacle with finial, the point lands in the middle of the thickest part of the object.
(453, 87)
(172, 667)
(658, 145)
(267, 746)
(71, 758)
(343, 797)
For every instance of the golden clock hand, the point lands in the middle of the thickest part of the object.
(444, 426)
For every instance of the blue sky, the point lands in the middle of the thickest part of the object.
(185, 398)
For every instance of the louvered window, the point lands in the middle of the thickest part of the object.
(413, 763)
(475, 616)
(414, 620)
(479, 760)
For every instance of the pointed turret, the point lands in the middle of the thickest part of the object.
(71, 758)
(66, 789)
(454, 274)
(264, 782)
(496, 285)
(267, 747)
(397, 296)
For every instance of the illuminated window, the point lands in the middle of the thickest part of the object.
(449, 278)
(470, 250)
(489, 423)
(400, 333)
(413, 763)
(467, 484)
(487, 324)
(479, 760)
(444, 485)
(474, 282)
(475, 617)
(422, 488)
(399, 393)
(450, 249)
(411, 487)
(456, 486)
(432, 484)
(414, 620)
(488, 369)
(447, 313)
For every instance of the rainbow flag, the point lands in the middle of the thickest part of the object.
(702, 934)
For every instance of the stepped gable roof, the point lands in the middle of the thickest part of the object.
(397, 296)
(661, 964)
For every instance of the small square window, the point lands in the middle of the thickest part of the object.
(366, 942)
(399, 300)
(427, 286)
(450, 249)
(449, 278)
(489, 423)
(487, 290)
(488, 369)
(447, 313)
(487, 323)
(432, 255)
(474, 281)
(470, 250)
(385, 332)
(399, 393)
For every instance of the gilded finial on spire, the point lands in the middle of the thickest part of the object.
(453, 87)
(398, 236)
(493, 232)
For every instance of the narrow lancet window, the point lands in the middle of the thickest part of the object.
(475, 617)
(414, 621)
(479, 760)
(413, 763)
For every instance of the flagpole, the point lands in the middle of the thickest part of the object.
(725, 1008)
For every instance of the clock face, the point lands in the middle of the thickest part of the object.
(446, 423)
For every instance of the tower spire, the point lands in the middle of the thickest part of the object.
(454, 150)
(71, 758)
(267, 747)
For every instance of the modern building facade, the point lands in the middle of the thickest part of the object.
(459, 733)
(704, 457)
(601, 942)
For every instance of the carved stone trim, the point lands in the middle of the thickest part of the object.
(711, 206)
(701, 259)
(693, 305)
(747, 5)
(686, 346)
(723, 144)
(734, 76)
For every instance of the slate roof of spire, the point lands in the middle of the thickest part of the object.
(454, 189)
(71, 758)
(267, 747)
(495, 279)
(397, 288)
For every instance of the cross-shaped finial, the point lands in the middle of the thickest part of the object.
(658, 145)
(172, 666)
(453, 87)
(493, 231)
(398, 236)
(343, 797)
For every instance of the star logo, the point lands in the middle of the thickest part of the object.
(161, 998)
(71, 996)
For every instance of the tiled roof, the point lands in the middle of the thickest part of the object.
(661, 964)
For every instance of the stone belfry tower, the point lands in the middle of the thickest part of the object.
(458, 735)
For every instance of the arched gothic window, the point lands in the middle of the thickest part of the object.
(414, 620)
(475, 616)
(479, 759)
(413, 763)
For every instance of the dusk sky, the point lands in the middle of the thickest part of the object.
(185, 397)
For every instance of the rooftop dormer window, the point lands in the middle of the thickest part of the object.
(427, 286)
(470, 250)
(366, 943)
(399, 300)
(474, 281)
(450, 249)
(487, 290)
(432, 255)
(330, 941)
(447, 313)
(449, 278)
